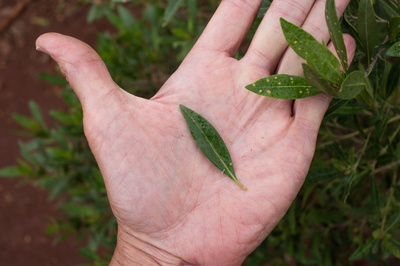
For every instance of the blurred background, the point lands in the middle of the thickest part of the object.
(24, 208)
(53, 204)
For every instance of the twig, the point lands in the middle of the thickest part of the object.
(13, 15)
(356, 133)
(378, 55)
(387, 167)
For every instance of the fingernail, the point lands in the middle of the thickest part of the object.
(39, 49)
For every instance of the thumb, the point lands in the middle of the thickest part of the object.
(82, 66)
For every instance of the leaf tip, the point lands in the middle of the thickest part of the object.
(182, 107)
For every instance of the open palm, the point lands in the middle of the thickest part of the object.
(171, 203)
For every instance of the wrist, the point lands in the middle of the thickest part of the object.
(132, 250)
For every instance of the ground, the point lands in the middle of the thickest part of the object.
(23, 208)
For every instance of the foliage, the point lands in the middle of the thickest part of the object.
(349, 207)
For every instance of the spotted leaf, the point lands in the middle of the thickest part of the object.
(317, 81)
(283, 86)
(316, 54)
(209, 142)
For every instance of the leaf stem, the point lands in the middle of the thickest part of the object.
(240, 185)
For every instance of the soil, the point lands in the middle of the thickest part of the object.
(24, 209)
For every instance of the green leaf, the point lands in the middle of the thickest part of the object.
(94, 13)
(316, 54)
(180, 33)
(320, 175)
(363, 250)
(192, 15)
(26, 122)
(209, 142)
(376, 198)
(390, 8)
(171, 10)
(263, 9)
(394, 50)
(352, 85)
(392, 248)
(126, 17)
(70, 98)
(335, 32)
(382, 125)
(317, 81)
(61, 117)
(393, 221)
(349, 18)
(393, 78)
(394, 27)
(73, 210)
(338, 164)
(283, 86)
(37, 114)
(55, 185)
(336, 151)
(58, 153)
(113, 19)
(88, 253)
(335, 105)
(367, 27)
(53, 79)
(10, 171)
(291, 217)
(350, 181)
(351, 156)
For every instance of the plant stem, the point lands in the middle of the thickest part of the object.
(387, 167)
(371, 66)
(355, 133)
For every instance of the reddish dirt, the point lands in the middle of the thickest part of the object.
(23, 208)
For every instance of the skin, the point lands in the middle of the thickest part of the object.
(172, 205)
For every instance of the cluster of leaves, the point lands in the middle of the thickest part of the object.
(58, 159)
(150, 43)
(349, 206)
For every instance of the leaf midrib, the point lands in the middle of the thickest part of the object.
(212, 146)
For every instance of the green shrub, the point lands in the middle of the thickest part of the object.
(349, 206)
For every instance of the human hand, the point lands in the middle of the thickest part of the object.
(172, 205)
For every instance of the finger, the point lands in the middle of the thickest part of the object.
(309, 112)
(229, 26)
(316, 25)
(83, 68)
(269, 43)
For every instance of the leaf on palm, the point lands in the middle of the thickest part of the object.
(210, 142)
